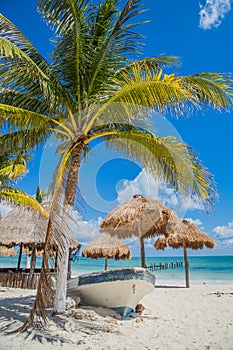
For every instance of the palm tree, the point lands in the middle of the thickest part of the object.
(89, 73)
(92, 90)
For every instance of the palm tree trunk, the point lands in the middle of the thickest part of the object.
(72, 179)
(142, 250)
(186, 267)
(63, 259)
(61, 289)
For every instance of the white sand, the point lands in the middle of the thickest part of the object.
(174, 318)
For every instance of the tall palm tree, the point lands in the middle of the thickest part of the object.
(94, 89)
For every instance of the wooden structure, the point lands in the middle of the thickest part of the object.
(141, 217)
(26, 229)
(19, 278)
(105, 246)
(187, 235)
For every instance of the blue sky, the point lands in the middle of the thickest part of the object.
(201, 35)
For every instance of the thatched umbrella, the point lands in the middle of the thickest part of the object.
(26, 228)
(187, 235)
(142, 217)
(105, 246)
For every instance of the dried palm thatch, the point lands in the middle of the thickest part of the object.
(25, 226)
(140, 216)
(7, 251)
(105, 246)
(187, 235)
(27, 229)
(22, 225)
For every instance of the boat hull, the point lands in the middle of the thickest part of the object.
(120, 289)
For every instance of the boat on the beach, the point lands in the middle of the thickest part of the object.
(120, 289)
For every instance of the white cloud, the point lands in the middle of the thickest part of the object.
(146, 185)
(87, 230)
(224, 231)
(213, 12)
(224, 235)
(196, 222)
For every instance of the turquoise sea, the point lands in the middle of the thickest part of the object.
(203, 269)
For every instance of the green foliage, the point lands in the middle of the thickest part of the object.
(92, 69)
(16, 196)
(10, 171)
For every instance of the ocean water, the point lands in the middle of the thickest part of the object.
(203, 269)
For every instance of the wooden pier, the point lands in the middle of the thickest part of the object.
(165, 265)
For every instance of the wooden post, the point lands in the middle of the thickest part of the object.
(20, 255)
(55, 267)
(106, 263)
(186, 267)
(142, 250)
(32, 267)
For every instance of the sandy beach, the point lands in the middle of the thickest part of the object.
(174, 318)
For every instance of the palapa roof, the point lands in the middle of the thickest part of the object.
(186, 235)
(106, 246)
(26, 226)
(139, 216)
(22, 225)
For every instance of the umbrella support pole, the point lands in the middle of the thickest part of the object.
(20, 255)
(106, 263)
(142, 251)
(186, 267)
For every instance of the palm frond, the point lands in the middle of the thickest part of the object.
(24, 67)
(16, 196)
(164, 157)
(22, 118)
(113, 37)
(71, 53)
(151, 63)
(23, 100)
(12, 171)
(23, 140)
(141, 90)
(59, 15)
(213, 89)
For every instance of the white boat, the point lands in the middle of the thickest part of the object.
(120, 290)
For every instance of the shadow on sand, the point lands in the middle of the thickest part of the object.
(15, 311)
(169, 286)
